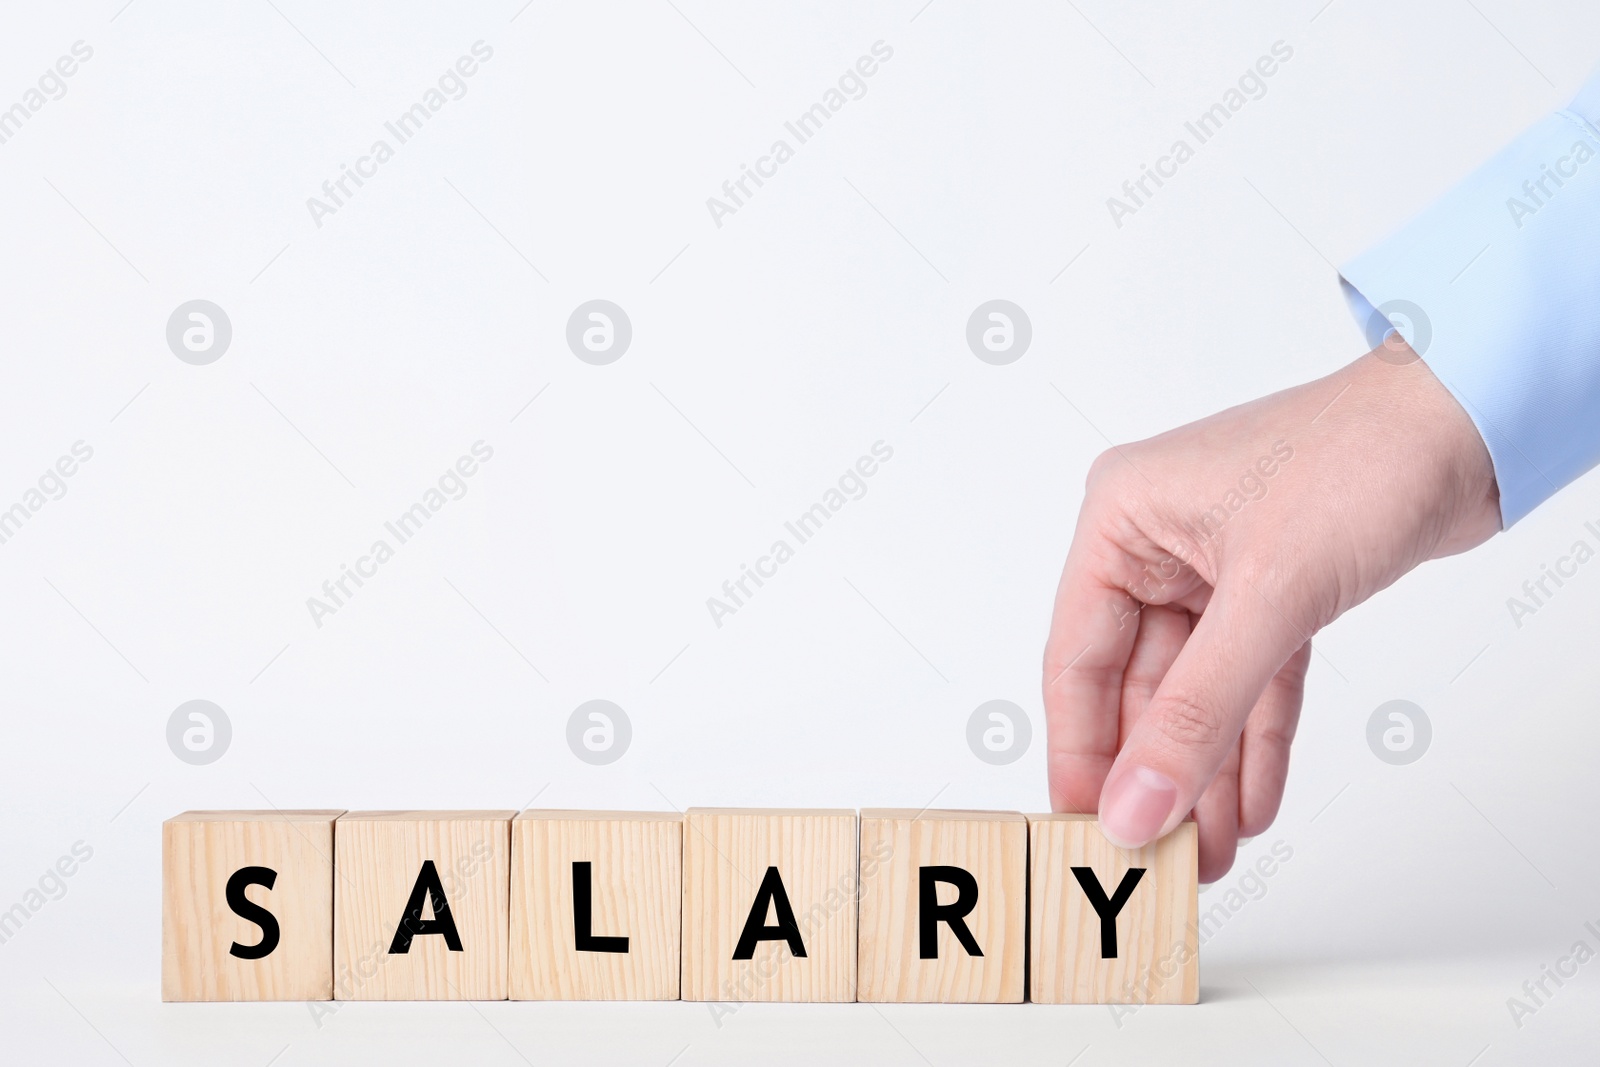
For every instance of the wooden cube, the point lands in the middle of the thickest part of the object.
(1146, 951)
(421, 905)
(596, 903)
(943, 906)
(247, 905)
(769, 904)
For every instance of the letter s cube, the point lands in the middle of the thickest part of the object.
(247, 905)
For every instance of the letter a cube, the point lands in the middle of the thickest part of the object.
(769, 904)
(421, 905)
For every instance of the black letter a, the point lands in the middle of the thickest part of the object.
(1107, 909)
(755, 928)
(412, 923)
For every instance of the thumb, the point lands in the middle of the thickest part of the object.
(1174, 750)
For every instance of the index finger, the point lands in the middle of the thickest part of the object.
(1092, 631)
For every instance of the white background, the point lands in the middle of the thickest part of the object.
(768, 354)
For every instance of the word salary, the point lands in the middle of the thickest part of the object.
(713, 905)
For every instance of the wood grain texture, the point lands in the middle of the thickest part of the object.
(200, 851)
(636, 891)
(1158, 958)
(895, 845)
(379, 856)
(726, 853)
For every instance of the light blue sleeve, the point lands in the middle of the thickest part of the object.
(1497, 287)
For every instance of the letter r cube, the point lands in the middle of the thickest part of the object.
(935, 886)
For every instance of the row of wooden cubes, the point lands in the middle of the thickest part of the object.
(712, 905)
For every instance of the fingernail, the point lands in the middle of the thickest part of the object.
(1135, 806)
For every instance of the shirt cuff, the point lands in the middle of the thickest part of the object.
(1497, 287)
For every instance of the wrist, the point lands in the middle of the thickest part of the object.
(1443, 438)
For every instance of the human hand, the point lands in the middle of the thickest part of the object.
(1206, 557)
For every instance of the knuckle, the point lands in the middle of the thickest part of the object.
(1297, 573)
(1297, 592)
(1189, 723)
(1277, 736)
(1291, 678)
(1266, 567)
(1099, 467)
(1107, 470)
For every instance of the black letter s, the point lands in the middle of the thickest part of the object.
(252, 912)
